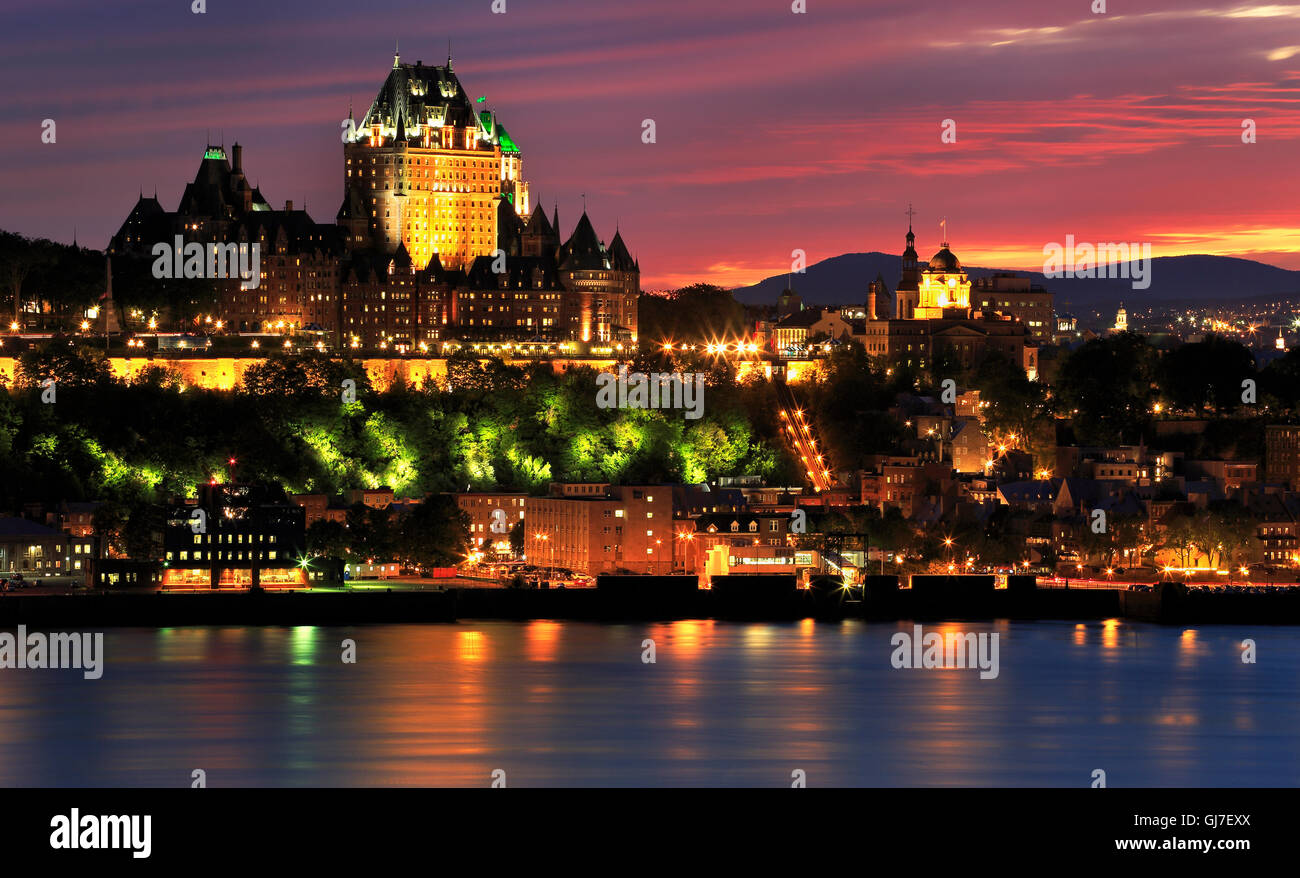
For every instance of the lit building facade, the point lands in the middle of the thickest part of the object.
(298, 262)
(1282, 454)
(236, 536)
(600, 528)
(436, 239)
(424, 168)
(934, 316)
(1011, 295)
(489, 531)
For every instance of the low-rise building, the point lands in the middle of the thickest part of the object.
(597, 528)
(235, 536)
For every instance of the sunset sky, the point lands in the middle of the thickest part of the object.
(775, 131)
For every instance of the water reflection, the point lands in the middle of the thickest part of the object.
(563, 703)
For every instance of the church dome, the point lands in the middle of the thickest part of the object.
(944, 260)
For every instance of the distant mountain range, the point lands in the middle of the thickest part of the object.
(842, 280)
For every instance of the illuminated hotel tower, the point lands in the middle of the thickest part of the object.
(425, 168)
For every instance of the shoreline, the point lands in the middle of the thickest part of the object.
(1170, 605)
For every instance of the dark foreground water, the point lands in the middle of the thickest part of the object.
(573, 704)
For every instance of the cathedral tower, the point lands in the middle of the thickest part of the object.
(908, 288)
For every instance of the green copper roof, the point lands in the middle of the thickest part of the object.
(214, 152)
(496, 130)
(507, 145)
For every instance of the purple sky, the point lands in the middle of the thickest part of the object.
(775, 131)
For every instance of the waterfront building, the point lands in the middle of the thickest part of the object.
(235, 536)
(319, 507)
(489, 530)
(597, 528)
(32, 549)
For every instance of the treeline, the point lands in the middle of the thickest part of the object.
(63, 280)
(296, 421)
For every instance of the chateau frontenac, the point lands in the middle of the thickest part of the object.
(437, 239)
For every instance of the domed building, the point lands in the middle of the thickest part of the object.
(944, 288)
(933, 316)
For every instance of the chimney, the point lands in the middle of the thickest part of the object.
(871, 302)
(288, 207)
(238, 152)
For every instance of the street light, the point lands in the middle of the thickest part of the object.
(546, 538)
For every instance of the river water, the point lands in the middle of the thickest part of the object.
(723, 704)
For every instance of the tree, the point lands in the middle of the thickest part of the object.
(327, 538)
(696, 314)
(1206, 373)
(1180, 537)
(1109, 385)
(370, 533)
(20, 258)
(1280, 379)
(66, 364)
(517, 538)
(1016, 410)
(108, 522)
(309, 373)
(69, 280)
(143, 530)
(435, 533)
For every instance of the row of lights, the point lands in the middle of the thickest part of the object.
(811, 442)
(737, 347)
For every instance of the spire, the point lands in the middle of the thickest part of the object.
(397, 55)
(449, 53)
(555, 221)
